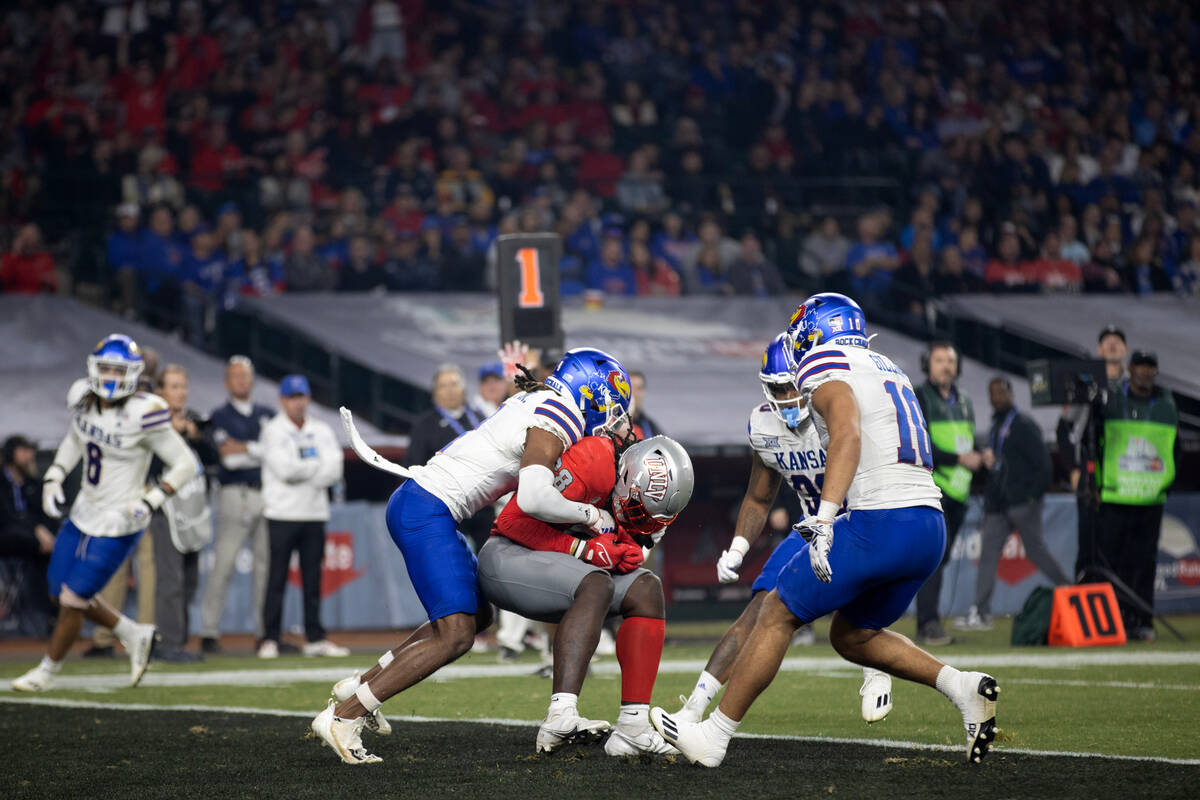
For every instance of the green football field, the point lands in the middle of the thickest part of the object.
(1059, 711)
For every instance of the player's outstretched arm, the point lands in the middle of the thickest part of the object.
(835, 402)
(65, 458)
(537, 495)
(752, 517)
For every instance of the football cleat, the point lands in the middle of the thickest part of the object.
(632, 742)
(974, 621)
(344, 736)
(690, 738)
(691, 712)
(979, 713)
(376, 721)
(876, 693)
(569, 728)
(37, 679)
(139, 646)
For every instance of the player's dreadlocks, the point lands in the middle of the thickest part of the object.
(525, 381)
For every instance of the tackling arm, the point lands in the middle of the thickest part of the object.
(835, 402)
(536, 494)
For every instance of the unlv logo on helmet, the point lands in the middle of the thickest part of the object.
(657, 482)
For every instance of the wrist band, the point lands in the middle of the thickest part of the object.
(827, 511)
(155, 498)
(740, 545)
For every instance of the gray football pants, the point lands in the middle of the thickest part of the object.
(539, 584)
(239, 516)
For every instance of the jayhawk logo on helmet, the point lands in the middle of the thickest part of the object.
(824, 318)
(619, 383)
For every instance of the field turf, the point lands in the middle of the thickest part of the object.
(1125, 715)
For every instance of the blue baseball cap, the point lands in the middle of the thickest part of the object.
(494, 368)
(292, 385)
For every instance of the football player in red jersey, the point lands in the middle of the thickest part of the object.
(543, 572)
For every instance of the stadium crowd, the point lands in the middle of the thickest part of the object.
(178, 156)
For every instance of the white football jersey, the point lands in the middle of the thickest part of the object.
(896, 462)
(480, 466)
(117, 444)
(794, 453)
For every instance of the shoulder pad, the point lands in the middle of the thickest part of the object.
(77, 391)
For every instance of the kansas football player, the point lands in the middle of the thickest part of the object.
(517, 447)
(539, 571)
(866, 566)
(786, 445)
(115, 431)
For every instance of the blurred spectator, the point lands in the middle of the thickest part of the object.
(710, 275)
(362, 272)
(643, 426)
(24, 530)
(493, 388)
(752, 274)
(634, 116)
(254, 273)
(1147, 272)
(640, 190)
(301, 460)
(610, 272)
(1187, 275)
(951, 277)
(28, 268)
(1051, 271)
(653, 274)
(1007, 272)
(824, 251)
(871, 261)
(1018, 479)
(304, 270)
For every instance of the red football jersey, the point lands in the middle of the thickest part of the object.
(585, 473)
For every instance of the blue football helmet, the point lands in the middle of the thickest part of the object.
(114, 367)
(778, 374)
(826, 318)
(598, 384)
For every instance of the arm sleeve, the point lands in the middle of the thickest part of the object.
(538, 498)
(181, 463)
(1040, 456)
(282, 458)
(329, 458)
(68, 454)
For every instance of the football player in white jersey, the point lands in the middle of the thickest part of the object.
(786, 446)
(878, 462)
(115, 430)
(515, 448)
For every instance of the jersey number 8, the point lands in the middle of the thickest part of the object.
(92, 472)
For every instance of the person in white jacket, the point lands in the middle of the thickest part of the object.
(301, 460)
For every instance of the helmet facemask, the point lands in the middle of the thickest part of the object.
(113, 378)
(792, 410)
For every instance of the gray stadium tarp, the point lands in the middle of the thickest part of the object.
(44, 342)
(701, 355)
(1164, 323)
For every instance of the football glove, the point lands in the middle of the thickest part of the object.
(138, 513)
(819, 536)
(53, 498)
(608, 553)
(731, 560)
(601, 522)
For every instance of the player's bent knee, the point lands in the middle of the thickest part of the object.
(645, 598)
(458, 632)
(70, 599)
(597, 586)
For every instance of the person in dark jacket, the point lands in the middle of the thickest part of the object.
(26, 535)
(1019, 476)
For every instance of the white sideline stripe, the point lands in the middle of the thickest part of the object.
(1175, 687)
(276, 676)
(528, 723)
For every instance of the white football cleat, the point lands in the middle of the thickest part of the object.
(376, 722)
(139, 645)
(690, 712)
(268, 649)
(569, 728)
(37, 679)
(344, 736)
(979, 693)
(691, 738)
(876, 693)
(324, 648)
(631, 742)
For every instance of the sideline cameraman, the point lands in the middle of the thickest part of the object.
(1137, 467)
(1071, 433)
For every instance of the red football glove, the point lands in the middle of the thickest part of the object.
(606, 552)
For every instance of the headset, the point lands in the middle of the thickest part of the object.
(937, 344)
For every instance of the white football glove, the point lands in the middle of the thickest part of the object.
(728, 565)
(600, 521)
(819, 536)
(138, 513)
(53, 498)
